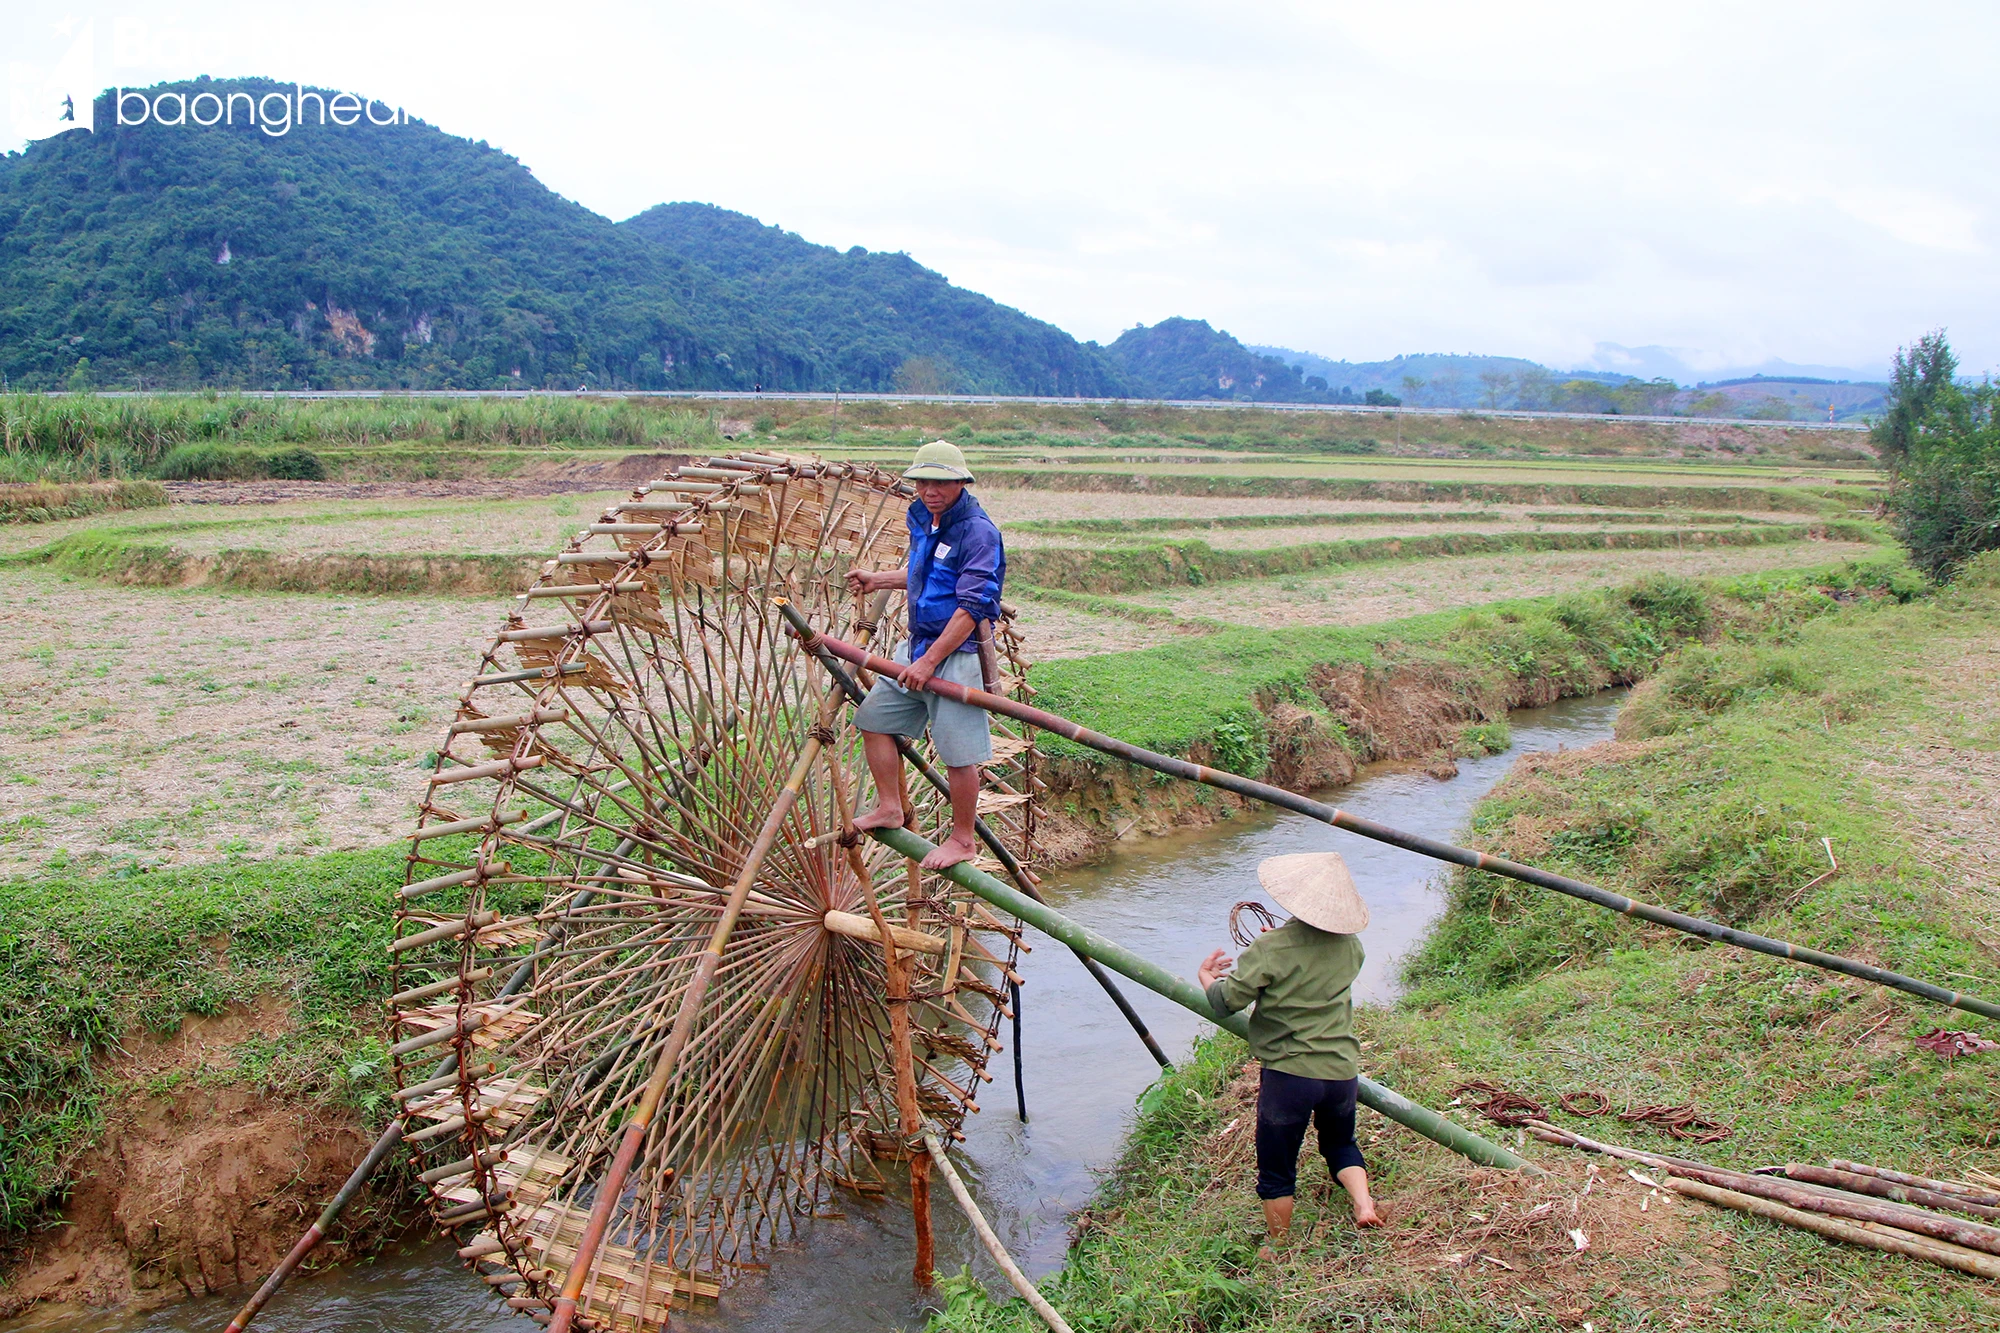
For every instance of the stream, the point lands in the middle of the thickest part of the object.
(1168, 898)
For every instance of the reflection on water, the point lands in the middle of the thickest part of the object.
(1168, 898)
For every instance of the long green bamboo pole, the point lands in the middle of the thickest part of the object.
(1184, 993)
(1368, 828)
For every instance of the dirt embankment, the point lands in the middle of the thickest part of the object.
(1414, 714)
(194, 1187)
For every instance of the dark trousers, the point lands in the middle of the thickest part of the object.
(1285, 1102)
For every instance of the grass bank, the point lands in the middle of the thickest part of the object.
(1192, 563)
(1864, 720)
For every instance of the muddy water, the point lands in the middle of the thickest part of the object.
(1168, 898)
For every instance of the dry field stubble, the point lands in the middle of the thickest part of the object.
(1365, 594)
(173, 726)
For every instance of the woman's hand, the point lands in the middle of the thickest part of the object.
(1214, 968)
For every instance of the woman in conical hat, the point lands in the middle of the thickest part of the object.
(1300, 978)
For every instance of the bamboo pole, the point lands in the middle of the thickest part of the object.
(1015, 1277)
(1867, 1182)
(1368, 828)
(1874, 1238)
(1974, 1193)
(1184, 993)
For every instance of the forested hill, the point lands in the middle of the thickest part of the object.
(878, 320)
(400, 256)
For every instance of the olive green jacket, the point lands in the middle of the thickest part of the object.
(1301, 979)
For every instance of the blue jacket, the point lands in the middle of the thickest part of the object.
(962, 564)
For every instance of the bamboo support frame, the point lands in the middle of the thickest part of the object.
(1368, 828)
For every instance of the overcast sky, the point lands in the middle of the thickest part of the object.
(1741, 181)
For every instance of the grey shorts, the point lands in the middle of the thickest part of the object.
(961, 734)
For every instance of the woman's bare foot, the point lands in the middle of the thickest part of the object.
(882, 816)
(950, 852)
(1355, 1181)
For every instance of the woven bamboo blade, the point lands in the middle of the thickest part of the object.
(661, 717)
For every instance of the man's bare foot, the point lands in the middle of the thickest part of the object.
(1366, 1216)
(950, 852)
(882, 816)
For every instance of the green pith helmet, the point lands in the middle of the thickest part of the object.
(940, 460)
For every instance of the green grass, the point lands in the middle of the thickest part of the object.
(1092, 527)
(1743, 753)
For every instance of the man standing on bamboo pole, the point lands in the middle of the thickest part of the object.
(952, 583)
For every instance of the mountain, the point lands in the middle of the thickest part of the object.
(1431, 379)
(874, 320)
(1185, 358)
(383, 256)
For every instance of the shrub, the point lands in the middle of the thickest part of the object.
(1943, 443)
(215, 462)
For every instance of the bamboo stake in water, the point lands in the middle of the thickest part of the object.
(1368, 828)
(1015, 1277)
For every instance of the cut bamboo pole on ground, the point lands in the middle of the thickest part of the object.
(1015, 1277)
(1368, 828)
(1184, 993)
(1871, 1237)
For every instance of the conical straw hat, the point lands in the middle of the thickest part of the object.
(1316, 888)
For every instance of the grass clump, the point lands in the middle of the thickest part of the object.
(213, 462)
(44, 502)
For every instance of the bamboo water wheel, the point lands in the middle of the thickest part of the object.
(597, 795)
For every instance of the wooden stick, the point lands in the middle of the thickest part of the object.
(1015, 1277)
(858, 927)
(1980, 1265)
(1855, 1182)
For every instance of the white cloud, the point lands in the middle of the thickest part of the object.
(1805, 180)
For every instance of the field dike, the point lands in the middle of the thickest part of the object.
(155, 564)
(1862, 719)
(148, 561)
(194, 1055)
(1193, 563)
(1823, 500)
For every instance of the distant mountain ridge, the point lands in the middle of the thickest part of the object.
(1507, 382)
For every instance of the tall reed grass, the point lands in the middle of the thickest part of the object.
(79, 437)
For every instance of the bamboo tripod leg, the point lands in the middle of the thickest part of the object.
(902, 1053)
(987, 1237)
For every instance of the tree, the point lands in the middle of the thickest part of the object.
(1942, 443)
(1495, 385)
(1412, 386)
(1921, 384)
